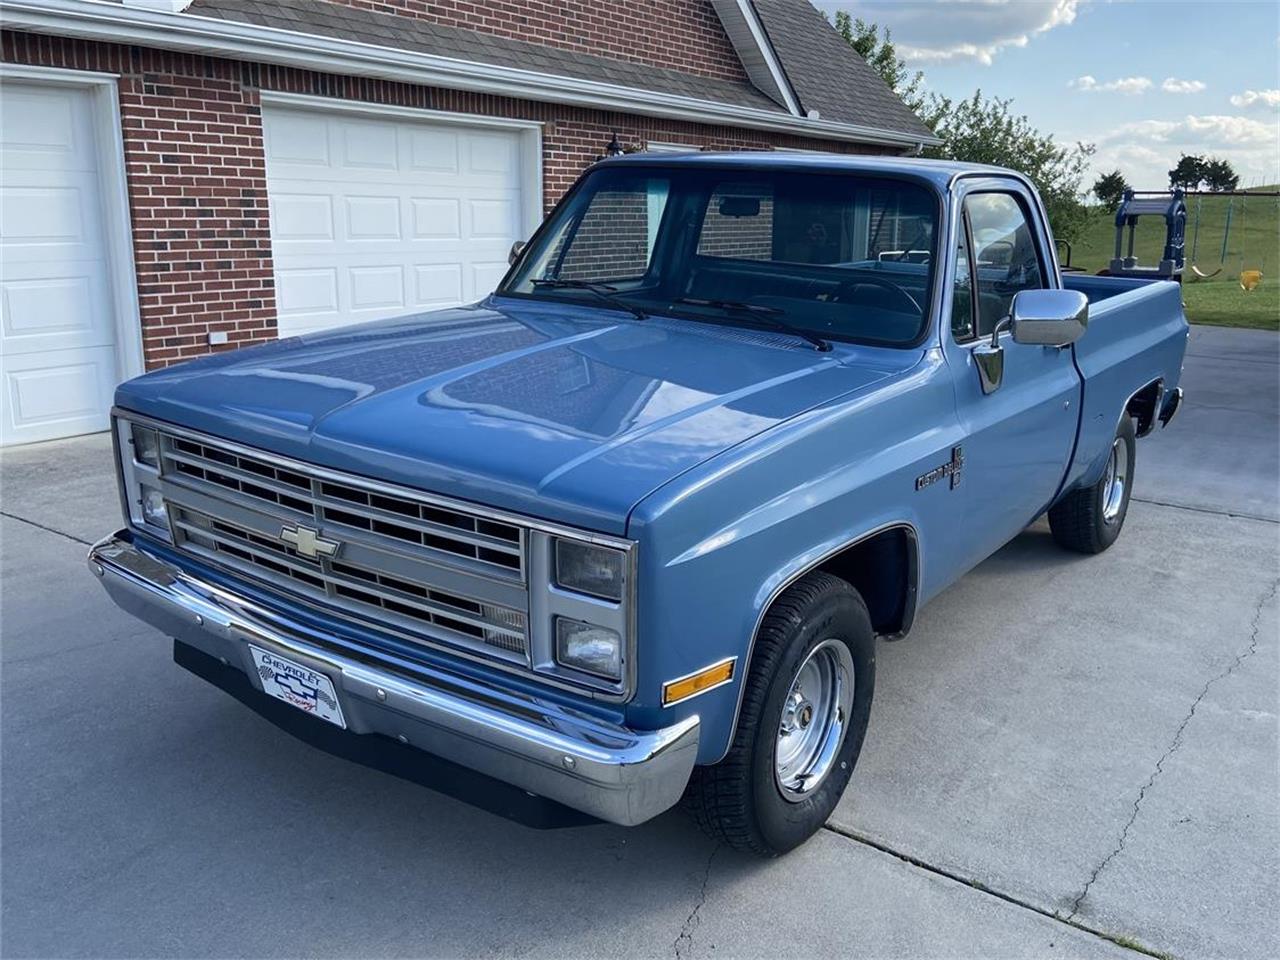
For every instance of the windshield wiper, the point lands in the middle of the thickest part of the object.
(602, 290)
(770, 315)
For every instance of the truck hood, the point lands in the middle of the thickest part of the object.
(555, 411)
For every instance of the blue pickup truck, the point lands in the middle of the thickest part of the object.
(629, 529)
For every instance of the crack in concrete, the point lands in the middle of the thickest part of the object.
(691, 923)
(1213, 513)
(1174, 744)
(40, 526)
(1128, 943)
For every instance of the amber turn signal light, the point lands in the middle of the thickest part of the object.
(673, 691)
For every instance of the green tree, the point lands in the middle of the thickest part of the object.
(1219, 175)
(1109, 189)
(881, 55)
(1189, 172)
(985, 130)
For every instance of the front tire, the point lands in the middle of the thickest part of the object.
(1089, 520)
(804, 715)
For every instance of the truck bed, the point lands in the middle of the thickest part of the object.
(1136, 337)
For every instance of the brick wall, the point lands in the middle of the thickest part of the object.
(197, 180)
(684, 35)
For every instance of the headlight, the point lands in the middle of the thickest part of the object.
(146, 445)
(139, 453)
(153, 509)
(587, 568)
(589, 648)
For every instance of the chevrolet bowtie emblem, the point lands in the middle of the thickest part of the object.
(309, 543)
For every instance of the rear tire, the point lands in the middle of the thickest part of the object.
(804, 716)
(1089, 520)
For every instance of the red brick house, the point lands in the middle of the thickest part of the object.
(180, 177)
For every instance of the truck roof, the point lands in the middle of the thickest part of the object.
(941, 172)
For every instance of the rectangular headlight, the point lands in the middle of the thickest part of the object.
(153, 509)
(590, 569)
(589, 648)
(146, 445)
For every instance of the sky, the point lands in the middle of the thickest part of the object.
(1143, 80)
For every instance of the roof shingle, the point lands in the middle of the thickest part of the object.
(827, 74)
(411, 33)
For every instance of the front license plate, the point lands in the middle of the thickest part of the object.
(298, 685)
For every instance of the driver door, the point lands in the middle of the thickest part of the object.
(1020, 436)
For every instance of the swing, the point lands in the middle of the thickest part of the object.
(1249, 278)
(1201, 274)
(1195, 236)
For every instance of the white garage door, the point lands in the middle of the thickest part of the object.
(58, 329)
(375, 216)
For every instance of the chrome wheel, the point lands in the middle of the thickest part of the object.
(815, 716)
(1116, 481)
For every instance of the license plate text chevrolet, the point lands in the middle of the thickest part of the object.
(629, 529)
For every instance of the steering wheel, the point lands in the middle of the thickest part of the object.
(848, 285)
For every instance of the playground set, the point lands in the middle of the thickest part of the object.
(1172, 207)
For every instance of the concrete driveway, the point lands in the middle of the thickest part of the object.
(1068, 757)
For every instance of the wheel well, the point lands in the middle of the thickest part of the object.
(882, 568)
(1144, 406)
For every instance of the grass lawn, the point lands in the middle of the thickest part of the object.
(1255, 233)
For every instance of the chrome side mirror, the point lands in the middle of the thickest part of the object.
(514, 253)
(1049, 318)
(1046, 318)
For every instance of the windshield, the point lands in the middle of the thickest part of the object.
(829, 255)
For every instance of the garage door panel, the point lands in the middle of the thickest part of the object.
(56, 312)
(368, 145)
(302, 217)
(376, 288)
(305, 292)
(433, 151)
(44, 128)
(437, 284)
(485, 277)
(57, 394)
(436, 218)
(371, 218)
(300, 139)
(493, 218)
(419, 214)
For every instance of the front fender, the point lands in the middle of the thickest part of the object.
(716, 551)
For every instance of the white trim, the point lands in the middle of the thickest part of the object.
(770, 56)
(165, 6)
(661, 146)
(117, 222)
(530, 132)
(115, 23)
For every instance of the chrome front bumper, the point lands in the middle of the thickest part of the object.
(611, 772)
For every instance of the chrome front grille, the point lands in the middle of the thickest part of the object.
(423, 567)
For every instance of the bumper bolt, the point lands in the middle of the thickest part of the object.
(569, 763)
(97, 568)
(199, 620)
(402, 738)
(380, 693)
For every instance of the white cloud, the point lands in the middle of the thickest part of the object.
(1250, 98)
(927, 32)
(1145, 150)
(1127, 86)
(1174, 85)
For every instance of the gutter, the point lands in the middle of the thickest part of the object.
(117, 23)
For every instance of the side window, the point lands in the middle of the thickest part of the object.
(962, 295)
(1004, 252)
